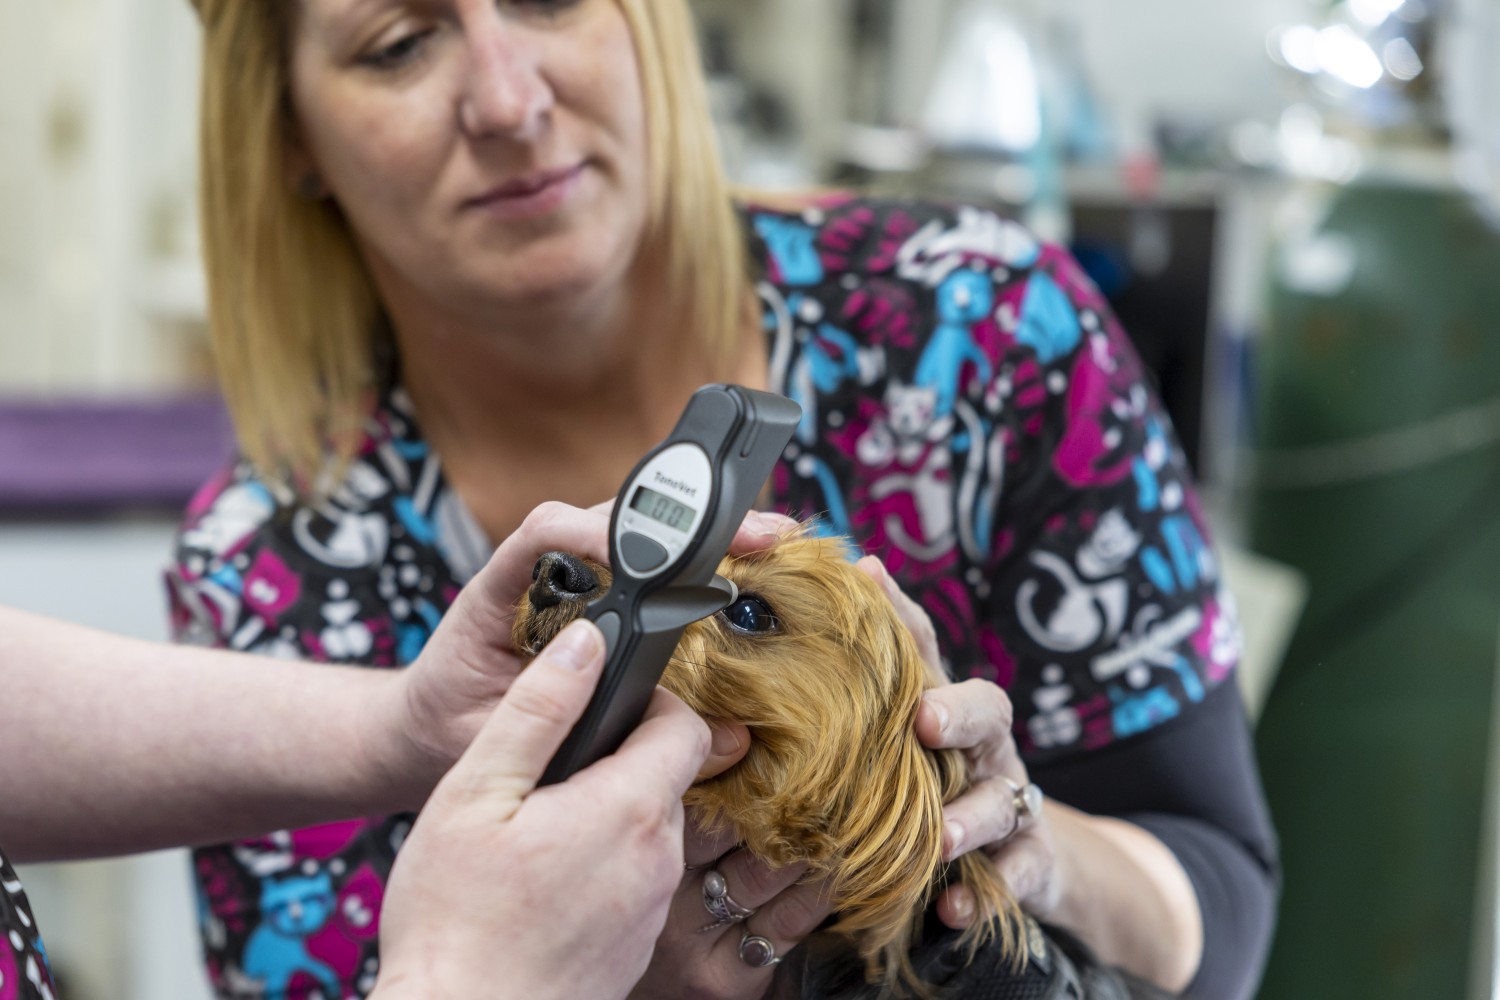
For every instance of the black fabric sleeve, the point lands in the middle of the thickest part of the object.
(1192, 782)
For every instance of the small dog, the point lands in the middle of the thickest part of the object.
(813, 659)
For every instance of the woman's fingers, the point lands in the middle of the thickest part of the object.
(910, 614)
(731, 741)
(550, 527)
(985, 814)
(783, 911)
(703, 845)
(784, 920)
(955, 906)
(760, 530)
(1026, 864)
(670, 744)
(519, 738)
(699, 954)
(752, 882)
(973, 716)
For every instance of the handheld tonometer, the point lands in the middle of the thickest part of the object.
(673, 521)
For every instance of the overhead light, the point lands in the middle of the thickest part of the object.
(1401, 60)
(1297, 46)
(1343, 54)
(1374, 12)
(987, 94)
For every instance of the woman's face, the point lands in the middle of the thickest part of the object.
(485, 153)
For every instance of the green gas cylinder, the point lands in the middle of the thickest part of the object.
(1377, 458)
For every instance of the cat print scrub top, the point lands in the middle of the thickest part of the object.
(24, 972)
(972, 414)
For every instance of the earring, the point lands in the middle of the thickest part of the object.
(310, 186)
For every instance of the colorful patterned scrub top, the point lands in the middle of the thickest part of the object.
(972, 413)
(24, 973)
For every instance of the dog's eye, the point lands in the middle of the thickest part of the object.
(749, 614)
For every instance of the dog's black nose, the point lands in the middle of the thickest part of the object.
(559, 577)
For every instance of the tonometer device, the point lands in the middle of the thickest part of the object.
(673, 521)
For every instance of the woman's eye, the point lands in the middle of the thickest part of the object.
(397, 53)
(749, 614)
(546, 8)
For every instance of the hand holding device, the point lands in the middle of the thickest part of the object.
(673, 521)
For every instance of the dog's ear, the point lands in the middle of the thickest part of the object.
(924, 780)
(998, 917)
(906, 843)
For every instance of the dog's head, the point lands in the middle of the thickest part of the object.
(813, 659)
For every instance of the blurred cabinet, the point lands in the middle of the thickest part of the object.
(1377, 451)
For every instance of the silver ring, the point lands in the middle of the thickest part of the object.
(1026, 803)
(757, 952)
(719, 904)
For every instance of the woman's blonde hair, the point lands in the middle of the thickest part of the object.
(294, 315)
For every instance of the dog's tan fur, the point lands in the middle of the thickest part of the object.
(835, 776)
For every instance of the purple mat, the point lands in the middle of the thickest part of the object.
(92, 455)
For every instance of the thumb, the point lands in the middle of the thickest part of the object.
(731, 741)
(522, 734)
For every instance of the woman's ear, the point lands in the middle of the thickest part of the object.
(301, 171)
(302, 174)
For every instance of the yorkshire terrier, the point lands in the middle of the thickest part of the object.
(813, 659)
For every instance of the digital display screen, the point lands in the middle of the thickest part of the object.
(662, 508)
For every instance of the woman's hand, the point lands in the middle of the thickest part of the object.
(469, 662)
(700, 957)
(975, 717)
(428, 714)
(555, 892)
(1110, 882)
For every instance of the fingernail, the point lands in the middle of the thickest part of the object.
(725, 741)
(940, 713)
(771, 524)
(963, 907)
(575, 646)
(953, 838)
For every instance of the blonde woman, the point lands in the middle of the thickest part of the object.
(465, 257)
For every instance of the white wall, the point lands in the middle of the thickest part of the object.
(97, 109)
(1201, 57)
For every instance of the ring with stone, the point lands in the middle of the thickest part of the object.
(757, 952)
(719, 904)
(1026, 802)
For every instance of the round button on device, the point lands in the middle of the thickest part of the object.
(641, 554)
(609, 624)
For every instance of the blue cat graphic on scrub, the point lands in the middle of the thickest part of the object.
(292, 909)
(964, 299)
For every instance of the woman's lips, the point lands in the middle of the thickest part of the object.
(530, 197)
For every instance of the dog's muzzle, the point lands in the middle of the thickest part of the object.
(558, 577)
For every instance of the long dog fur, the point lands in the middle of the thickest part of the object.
(835, 776)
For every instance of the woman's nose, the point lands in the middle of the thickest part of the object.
(507, 93)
